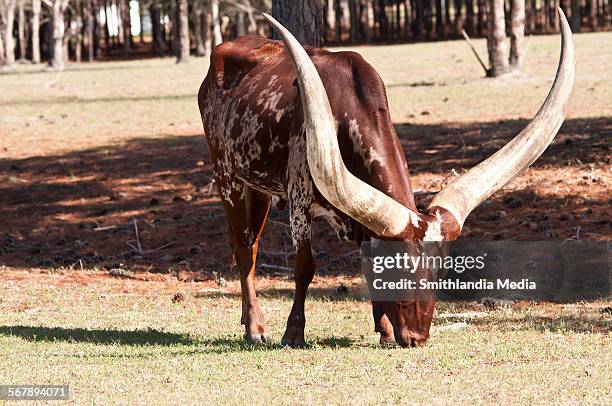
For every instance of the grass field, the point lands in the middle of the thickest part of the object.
(86, 152)
(125, 341)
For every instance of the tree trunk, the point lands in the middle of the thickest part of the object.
(406, 18)
(517, 34)
(166, 26)
(141, 19)
(252, 26)
(354, 20)
(56, 60)
(35, 22)
(183, 37)
(124, 13)
(417, 18)
(88, 9)
(2, 54)
(576, 16)
(331, 15)
(428, 18)
(2, 58)
(346, 15)
(107, 38)
(555, 15)
(459, 17)
(448, 25)
(9, 41)
(240, 23)
(364, 20)
(398, 20)
(128, 23)
(174, 45)
(384, 21)
(546, 11)
(531, 20)
(469, 16)
(567, 9)
(21, 34)
(78, 37)
(198, 31)
(496, 39)
(216, 27)
(303, 18)
(338, 16)
(97, 27)
(482, 8)
(593, 23)
(65, 47)
(156, 28)
(390, 18)
(439, 21)
(207, 32)
(118, 14)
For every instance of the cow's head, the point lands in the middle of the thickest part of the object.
(388, 219)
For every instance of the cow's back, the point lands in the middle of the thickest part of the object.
(253, 116)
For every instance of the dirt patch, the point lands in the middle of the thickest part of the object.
(149, 205)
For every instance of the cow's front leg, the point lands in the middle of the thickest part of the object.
(304, 272)
(252, 317)
(382, 324)
(247, 211)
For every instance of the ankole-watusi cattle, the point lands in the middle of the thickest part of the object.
(312, 127)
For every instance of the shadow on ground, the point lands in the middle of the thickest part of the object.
(150, 337)
(226, 344)
(338, 293)
(96, 336)
(149, 204)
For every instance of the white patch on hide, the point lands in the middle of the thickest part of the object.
(299, 190)
(434, 229)
(332, 218)
(368, 155)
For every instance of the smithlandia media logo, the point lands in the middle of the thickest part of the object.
(468, 270)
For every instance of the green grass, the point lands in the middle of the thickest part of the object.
(114, 347)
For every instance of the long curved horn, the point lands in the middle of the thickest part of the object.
(369, 206)
(465, 193)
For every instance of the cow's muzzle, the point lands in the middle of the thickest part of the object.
(407, 338)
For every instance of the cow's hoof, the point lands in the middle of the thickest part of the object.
(293, 342)
(387, 341)
(257, 339)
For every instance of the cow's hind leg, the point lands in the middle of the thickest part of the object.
(247, 213)
(304, 272)
(300, 224)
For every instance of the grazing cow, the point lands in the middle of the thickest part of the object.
(312, 127)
